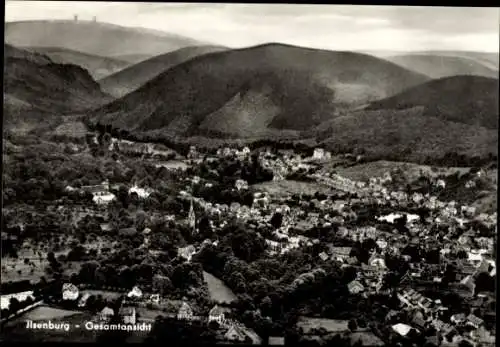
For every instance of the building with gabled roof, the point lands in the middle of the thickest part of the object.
(128, 315)
(185, 312)
(106, 314)
(235, 333)
(474, 321)
(135, 293)
(69, 291)
(216, 314)
(355, 287)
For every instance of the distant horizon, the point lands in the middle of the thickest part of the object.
(361, 28)
(259, 44)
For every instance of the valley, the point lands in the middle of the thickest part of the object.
(199, 185)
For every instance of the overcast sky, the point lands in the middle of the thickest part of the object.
(337, 27)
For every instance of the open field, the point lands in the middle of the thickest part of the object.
(219, 292)
(15, 269)
(45, 313)
(75, 129)
(104, 293)
(363, 172)
(150, 315)
(330, 325)
(286, 187)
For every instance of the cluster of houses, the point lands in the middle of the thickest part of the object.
(102, 195)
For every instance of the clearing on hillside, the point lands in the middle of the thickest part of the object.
(219, 292)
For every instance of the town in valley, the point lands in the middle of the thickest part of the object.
(118, 226)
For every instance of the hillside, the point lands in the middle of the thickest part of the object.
(33, 84)
(438, 66)
(98, 67)
(406, 135)
(287, 87)
(101, 39)
(132, 58)
(469, 100)
(488, 59)
(131, 78)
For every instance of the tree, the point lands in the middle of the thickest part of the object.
(51, 257)
(277, 220)
(352, 325)
(123, 196)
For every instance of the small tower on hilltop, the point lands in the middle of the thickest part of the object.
(94, 19)
(75, 18)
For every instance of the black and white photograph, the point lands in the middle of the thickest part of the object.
(249, 174)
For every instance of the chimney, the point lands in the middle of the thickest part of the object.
(75, 17)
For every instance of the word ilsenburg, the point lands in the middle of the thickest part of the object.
(47, 325)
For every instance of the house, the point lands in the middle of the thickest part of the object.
(377, 261)
(418, 320)
(323, 256)
(69, 291)
(468, 282)
(102, 198)
(185, 312)
(458, 318)
(341, 253)
(355, 287)
(83, 300)
(106, 314)
(425, 304)
(474, 321)
(216, 314)
(402, 329)
(154, 298)
(382, 244)
(135, 293)
(128, 315)
(276, 341)
(186, 252)
(241, 184)
(235, 334)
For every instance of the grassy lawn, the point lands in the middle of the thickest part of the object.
(363, 172)
(330, 325)
(218, 291)
(46, 313)
(286, 187)
(104, 293)
(147, 314)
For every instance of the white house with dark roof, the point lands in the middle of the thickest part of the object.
(216, 314)
(135, 293)
(474, 321)
(355, 287)
(69, 291)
